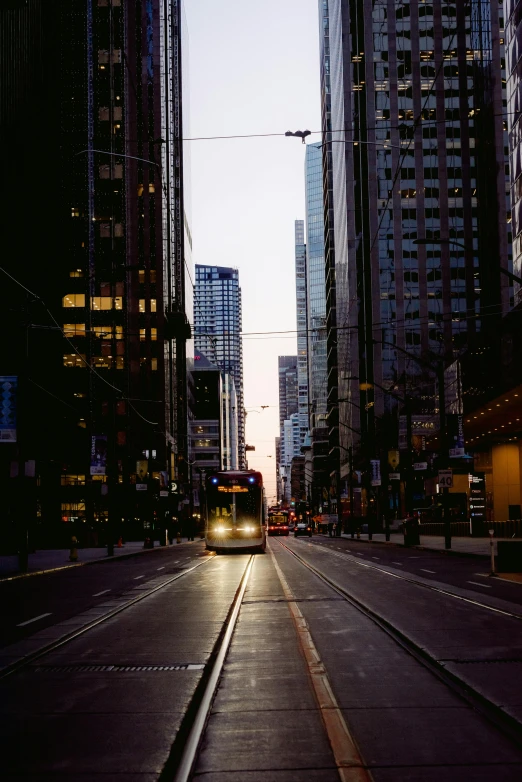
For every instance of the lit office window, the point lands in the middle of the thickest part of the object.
(73, 300)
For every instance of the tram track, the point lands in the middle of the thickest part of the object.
(505, 723)
(431, 587)
(184, 751)
(46, 649)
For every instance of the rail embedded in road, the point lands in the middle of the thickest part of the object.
(45, 649)
(184, 751)
(494, 713)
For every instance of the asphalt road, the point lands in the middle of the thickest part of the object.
(321, 672)
(470, 573)
(28, 605)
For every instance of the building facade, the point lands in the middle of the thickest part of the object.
(217, 333)
(317, 334)
(514, 112)
(415, 199)
(115, 171)
(214, 418)
(289, 423)
(302, 327)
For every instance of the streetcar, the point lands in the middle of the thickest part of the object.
(278, 521)
(235, 511)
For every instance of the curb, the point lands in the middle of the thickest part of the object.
(99, 561)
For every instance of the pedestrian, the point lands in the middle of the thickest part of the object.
(331, 530)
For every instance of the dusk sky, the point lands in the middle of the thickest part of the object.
(254, 69)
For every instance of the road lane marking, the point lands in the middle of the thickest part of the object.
(103, 592)
(482, 575)
(375, 557)
(34, 619)
(425, 585)
(136, 577)
(162, 568)
(397, 563)
(477, 583)
(425, 570)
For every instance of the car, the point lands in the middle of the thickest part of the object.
(303, 528)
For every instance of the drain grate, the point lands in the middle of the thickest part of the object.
(116, 668)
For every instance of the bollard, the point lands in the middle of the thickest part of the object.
(492, 551)
(73, 553)
(358, 533)
(178, 537)
(120, 542)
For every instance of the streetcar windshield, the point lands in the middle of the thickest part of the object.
(234, 506)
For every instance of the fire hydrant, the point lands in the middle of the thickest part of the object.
(73, 554)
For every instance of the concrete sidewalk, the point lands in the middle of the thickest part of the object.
(478, 547)
(55, 559)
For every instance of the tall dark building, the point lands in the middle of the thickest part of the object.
(217, 332)
(514, 112)
(99, 237)
(416, 151)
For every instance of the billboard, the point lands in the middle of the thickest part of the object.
(98, 454)
(8, 394)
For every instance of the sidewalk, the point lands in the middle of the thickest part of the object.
(54, 559)
(478, 547)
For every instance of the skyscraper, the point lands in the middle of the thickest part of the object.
(514, 112)
(111, 209)
(289, 424)
(316, 296)
(302, 328)
(417, 222)
(217, 332)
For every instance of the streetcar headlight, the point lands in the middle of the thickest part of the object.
(248, 529)
(219, 530)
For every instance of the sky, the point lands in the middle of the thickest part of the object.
(254, 68)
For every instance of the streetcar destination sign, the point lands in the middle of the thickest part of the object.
(234, 489)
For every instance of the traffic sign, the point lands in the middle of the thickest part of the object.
(173, 487)
(446, 479)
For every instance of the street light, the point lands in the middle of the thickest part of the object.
(302, 134)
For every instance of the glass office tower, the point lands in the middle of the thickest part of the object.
(412, 101)
(316, 296)
(514, 112)
(217, 332)
(302, 327)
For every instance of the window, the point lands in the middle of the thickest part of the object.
(106, 302)
(154, 364)
(73, 300)
(76, 273)
(72, 480)
(143, 335)
(102, 362)
(105, 332)
(74, 330)
(154, 334)
(143, 305)
(74, 360)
